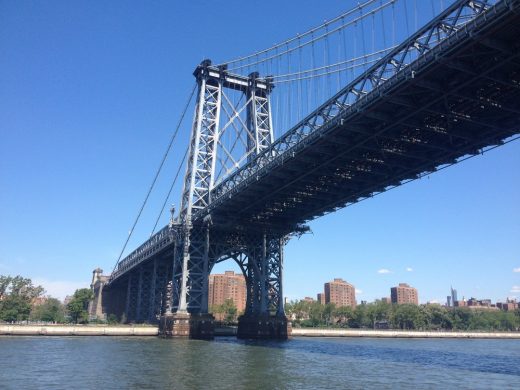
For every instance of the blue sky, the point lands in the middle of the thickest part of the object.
(89, 96)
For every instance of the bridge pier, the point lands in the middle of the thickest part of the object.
(264, 327)
(186, 325)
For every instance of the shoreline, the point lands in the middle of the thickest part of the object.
(140, 330)
(313, 332)
(78, 330)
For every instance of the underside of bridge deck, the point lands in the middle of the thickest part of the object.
(451, 103)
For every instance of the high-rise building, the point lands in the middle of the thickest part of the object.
(321, 298)
(453, 295)
(227, 286)
(340, 293)
(404, 294)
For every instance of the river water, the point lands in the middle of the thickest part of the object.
(301, 363)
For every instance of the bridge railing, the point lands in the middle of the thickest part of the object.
(452, 20)
(153, 245)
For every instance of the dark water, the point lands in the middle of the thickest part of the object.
(302, 363)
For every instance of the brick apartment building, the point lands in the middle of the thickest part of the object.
(404, 294)
(227, 286)
(340, 293)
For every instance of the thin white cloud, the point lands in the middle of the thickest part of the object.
(516, 269)
(59, 288)
(358, 291)
(384, 271)
(409, 269)
(515, 289)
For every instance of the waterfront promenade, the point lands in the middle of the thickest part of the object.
(128, 330)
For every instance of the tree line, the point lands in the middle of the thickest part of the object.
(380, 314)
(19, 303)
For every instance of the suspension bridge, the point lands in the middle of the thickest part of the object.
(369, 100)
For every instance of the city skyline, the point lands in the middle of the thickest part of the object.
(87, 118)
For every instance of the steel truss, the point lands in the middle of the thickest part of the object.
(192, 257)
(453, 22)
(395, 122)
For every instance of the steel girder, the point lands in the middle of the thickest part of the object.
(259, 117)
(191, 254)
(451, 24)
(405, 137)
(260, 257)
(159, 242)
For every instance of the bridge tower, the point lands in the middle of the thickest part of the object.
(203, 241)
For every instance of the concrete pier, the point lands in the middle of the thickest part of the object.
(263, 327)
(184, 325)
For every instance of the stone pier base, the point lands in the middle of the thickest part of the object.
(185, 325)
(264, 327)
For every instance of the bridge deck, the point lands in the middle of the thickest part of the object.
(454, 100)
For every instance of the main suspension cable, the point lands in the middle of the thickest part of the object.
(170, 191)
(309, 32)
(156, 174)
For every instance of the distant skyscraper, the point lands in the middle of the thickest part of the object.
(340, 293)
(404, 294)
(453, 295)
(321, 298)
(448, 301)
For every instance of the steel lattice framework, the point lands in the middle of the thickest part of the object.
(449, 91)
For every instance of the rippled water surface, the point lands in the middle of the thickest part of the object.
(301, 363)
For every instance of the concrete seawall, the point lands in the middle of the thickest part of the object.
(122, 330)
(77, 330)
(313, 332)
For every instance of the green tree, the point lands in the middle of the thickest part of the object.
(51, 310)
(436, 317)
(360, 318)
(16, 297)
(342, 315)
(316, 313)
(228, 310)
(377, 311)
(78, 305)
(460, 318)
(408, 316)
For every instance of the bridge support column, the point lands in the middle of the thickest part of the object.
(265, 316)
(189, 315)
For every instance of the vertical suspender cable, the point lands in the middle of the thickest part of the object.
(406, 18)
(393, 24)
(300, 103)
(170, 191)
(289, 97)
(363, 38)
(382, 13)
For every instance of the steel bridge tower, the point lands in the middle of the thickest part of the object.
(201, 243)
